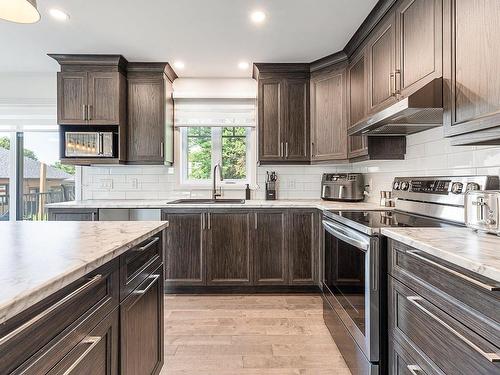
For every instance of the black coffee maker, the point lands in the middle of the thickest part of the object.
(271, 179)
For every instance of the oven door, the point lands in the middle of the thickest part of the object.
(351, 283)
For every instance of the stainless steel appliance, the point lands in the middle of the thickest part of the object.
(88, 144)
(482, 211)
(354, 261)
(343, 187)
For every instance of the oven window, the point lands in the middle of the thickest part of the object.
(345, 277)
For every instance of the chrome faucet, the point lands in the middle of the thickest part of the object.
(216, 194)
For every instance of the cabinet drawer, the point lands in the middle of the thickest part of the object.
(139, 262)
(67, 315)
(468, 297)
(405, 360)
(438, 337)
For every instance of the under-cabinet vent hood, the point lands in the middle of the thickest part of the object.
(420, 111)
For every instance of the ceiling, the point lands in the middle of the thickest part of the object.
(210, 36)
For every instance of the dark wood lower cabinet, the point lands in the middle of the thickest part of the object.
(79, 214)
(228, 248)
(303, 246)
(141, 328)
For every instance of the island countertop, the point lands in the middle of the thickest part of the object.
(476, 252)
(39, 258)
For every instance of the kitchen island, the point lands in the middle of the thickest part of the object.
(81, 296)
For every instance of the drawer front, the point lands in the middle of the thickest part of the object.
(405, 360)
(139, 262)
(26, 339)
(438, 337)
(466, 296)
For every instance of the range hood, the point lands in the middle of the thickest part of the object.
(419, 111)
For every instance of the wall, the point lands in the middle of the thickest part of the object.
(428, 153)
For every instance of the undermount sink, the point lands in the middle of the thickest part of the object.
(208, 201)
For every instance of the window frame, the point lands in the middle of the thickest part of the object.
(216, 157)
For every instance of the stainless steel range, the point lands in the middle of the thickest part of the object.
(354, 260)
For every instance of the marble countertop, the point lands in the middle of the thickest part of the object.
(39, 258)
(477, 252)
(305, 203)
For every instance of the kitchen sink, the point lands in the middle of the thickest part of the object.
(208, 201)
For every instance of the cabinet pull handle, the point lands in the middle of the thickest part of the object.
(89, 117)
(55, 306)
(286, 150)
(392, 84)
(397, 82)
(415, 254)
(153, 279)
(203, 221)
(414, 369)
(93, 341)
(255, 220)
(209, 220)
(492, 357)
(162, 151)
(93, 216)
(84, 111)
(281, 149)
(149, 244)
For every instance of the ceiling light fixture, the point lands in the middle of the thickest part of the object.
(59, 14)
(243, 65)
(258, 16)
(19, 11)
(179, 65)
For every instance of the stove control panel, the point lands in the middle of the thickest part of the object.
(458, 185)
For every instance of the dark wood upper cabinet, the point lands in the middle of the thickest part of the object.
(471, 80)
(228, 248)
(150, 114)
(106, 97)
(303, 246)
(283, 112)
(271, 119)
(71, 97)
(270, 252)
(185, 247)
(419, 45)
(381, 52)
(328, 115)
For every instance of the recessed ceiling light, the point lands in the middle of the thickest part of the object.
(179, 65)
(243, 65)
(59, 14)
(258, 16)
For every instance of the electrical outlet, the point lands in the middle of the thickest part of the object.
(292, 184)
(135, 183)
(106, 183)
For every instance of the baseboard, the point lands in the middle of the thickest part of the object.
(311, 289)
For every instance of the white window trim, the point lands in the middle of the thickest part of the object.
(181, 170)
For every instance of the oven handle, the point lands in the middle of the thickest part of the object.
(346, 235)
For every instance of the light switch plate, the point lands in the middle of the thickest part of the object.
(106, 183)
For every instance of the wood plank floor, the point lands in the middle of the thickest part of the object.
(248, 335)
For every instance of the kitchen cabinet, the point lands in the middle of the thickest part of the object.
(80, 214)
(445, 314)
(303, 246)
(381, 55)
(228, 247)
(141, 328)
(283, 113)
(471, 82)
(328, 114)
(357, 92)
(72, 98)
(270, 248)
(150, 114)
(105, 98)
(185, 247)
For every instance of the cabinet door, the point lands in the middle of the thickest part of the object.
(328, 117)
(71, 98)
(303, 228)
(96, 354)
(271, 119)
(73, 215)
(472, 82)
(184, 248)
(381, 66)
(141, 328)
(228, 258)
(146, 121)
(270, 251)
(297, 120)
(104, 98)
(419, 47)
(357, 92)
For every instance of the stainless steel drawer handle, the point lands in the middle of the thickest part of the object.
(492, 357)
(414, 369)
(149, 244)
(55, 306)
(93, 341)
(153, 279)
(415, 253)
